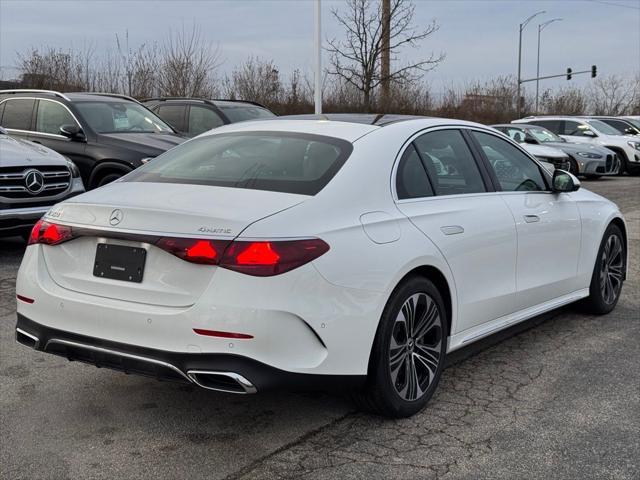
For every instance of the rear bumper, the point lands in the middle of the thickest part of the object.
(299, 322)
(221, 372)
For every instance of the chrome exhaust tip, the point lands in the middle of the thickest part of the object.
(27, 339)
(228, 382)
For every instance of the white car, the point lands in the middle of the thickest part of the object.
(316, 252)
(591, 130)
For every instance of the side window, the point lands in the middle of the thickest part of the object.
(51, 116)
(411, 177)
(621, 126)
(202, 119)
(17, 113)
(553, 125)
(173, 115)
(449, 163)
(573, 128)
(515, 170)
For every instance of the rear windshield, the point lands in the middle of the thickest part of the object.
(276, 161)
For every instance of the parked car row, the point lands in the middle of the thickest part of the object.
(618, 135)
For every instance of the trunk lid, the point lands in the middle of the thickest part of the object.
(148, 211)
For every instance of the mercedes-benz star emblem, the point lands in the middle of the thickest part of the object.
(34, 181)
(116, 217)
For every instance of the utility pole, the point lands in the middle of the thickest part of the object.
(541, 27)
(522, 25)
(318, 52)
(385, 63)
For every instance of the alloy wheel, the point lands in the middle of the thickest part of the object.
(415, 350)
(611, 270)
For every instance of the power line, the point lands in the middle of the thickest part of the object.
(602, 2)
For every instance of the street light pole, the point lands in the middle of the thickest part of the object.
(318, 52)
(522, 25)
(541, 27)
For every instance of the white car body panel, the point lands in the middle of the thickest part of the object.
(322, 317)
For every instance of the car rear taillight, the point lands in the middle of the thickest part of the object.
(49, 233)
(207, 252)
(264, 259)
(260, 259)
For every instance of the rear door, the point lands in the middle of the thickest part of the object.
(202, 119)
(548, 224)
(174, 114)
(17, 116)
(50, 115)
(455, 207)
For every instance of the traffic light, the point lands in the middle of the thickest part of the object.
(594, 71)
(569, 73)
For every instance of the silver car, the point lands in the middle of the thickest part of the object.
(585, 160)
(32, 179)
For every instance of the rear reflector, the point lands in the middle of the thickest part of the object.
(24, 299)
(216, 333)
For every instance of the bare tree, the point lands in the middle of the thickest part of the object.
(186, 65)
(56, 69)
(566, 101)
(357, 59)
(255, 79)
(613, 95)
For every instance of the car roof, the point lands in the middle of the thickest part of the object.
(512, 125)
(104, 97)
(349, 127)
(377, 119)
(219, 102)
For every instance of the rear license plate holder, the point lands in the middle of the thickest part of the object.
(119, 262)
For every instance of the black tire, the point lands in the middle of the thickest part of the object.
(108, 178)
(419, 358)
(608, 273)
(573, 167)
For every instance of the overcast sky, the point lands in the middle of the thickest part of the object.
(479, 38)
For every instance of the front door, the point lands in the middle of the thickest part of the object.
(548, 224)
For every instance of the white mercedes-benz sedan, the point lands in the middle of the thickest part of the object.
(313, 252)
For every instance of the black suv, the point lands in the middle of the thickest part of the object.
(193, 116)
(105, 135)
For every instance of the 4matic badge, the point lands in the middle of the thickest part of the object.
(214, 230)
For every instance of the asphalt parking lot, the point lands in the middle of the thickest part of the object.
(556, 397)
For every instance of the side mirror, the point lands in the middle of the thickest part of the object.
(73, 132)
(589, 133)
(564, 182)
(530, 140)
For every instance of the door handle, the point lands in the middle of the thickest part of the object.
(531, 218)
(452, 229)
(36, 141)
